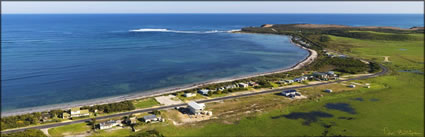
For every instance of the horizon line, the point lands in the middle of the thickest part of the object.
(210, 13)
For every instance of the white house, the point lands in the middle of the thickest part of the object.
(300, 79)
(204, 91)
(151, 118)
(289, 81)
(243, 85)
(76, 112)
(189, 94)
(230, 86)
(290, 93)
(196, 108)
(109, 124)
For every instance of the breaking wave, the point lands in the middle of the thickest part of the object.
(179, 31)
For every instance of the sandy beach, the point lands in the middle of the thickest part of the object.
(146, 94)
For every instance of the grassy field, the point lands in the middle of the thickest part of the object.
(145, 103)
(72, 129)
(112, 133)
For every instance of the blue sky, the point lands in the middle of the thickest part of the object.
(212, 7)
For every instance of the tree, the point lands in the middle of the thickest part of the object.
(93, 123)
(156, 112)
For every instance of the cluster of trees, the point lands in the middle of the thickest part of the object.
(26, 119)
(26, 133)
(374, 67)
(346, 65)
(112, 107)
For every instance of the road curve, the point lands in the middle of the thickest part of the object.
(384, 70)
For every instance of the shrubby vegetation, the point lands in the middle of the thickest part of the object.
(112, 107)
(26, 119)
(26, 133)
(150, 133)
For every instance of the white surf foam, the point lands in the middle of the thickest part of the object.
(177, 31)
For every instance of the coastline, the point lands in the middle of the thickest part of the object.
(158, 92)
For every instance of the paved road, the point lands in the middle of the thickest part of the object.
(384, 70)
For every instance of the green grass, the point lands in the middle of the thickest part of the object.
(145, 103)
(72, 129)
(112, 133)
(402, 54)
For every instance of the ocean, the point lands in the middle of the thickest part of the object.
(61, 58)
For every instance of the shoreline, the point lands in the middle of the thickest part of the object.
(158, 92)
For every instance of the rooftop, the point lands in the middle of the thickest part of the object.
(195, 105)
(149, 117)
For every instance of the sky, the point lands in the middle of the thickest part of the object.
(212, 7)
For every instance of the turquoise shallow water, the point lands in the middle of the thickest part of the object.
(51, 59)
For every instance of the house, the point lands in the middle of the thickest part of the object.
(352, 86)
(220, 89)
(290, 93)
(328, 90)
(109, 124)
(151, 118)
(300, 79)
(320, 75)
(45, 117)
(196, 108)
(190, 94)
(331, 74)
(281, 82)
(230, 86)
(203, 91)
(66, 115)
(252, 83)
(289, 81)
(132, 120)
(367, 86)
(76, 112)
(243, 85)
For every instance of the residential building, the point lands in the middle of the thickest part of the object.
(289, 81)
(230, 86)
(290, 93)
(76, 112)
(66, 115)
(190, 94)
(109, 124)
(151, 118)
(203, 91)
(300, 79)
(251, 83)
(195, 108)
(352, 86)
(320, 75)
(243, 85)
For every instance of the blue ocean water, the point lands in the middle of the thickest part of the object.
(58, 58)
